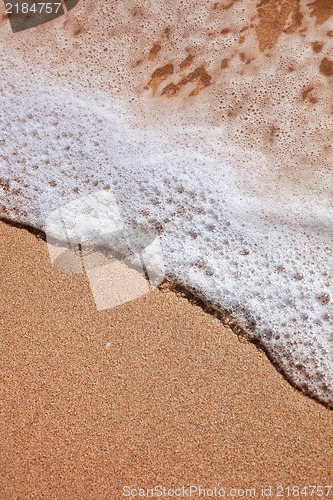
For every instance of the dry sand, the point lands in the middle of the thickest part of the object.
(152, 392)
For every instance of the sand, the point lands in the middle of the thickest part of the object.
(153, 392)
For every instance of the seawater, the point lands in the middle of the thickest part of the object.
(229, 162)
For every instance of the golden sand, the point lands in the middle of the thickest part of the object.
(153, 392)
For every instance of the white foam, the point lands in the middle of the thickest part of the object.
(244, 206)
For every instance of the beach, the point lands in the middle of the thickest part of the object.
(206, 125)
(154, 392)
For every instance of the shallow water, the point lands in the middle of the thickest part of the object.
(208, 126)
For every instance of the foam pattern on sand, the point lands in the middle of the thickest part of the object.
(216, 136)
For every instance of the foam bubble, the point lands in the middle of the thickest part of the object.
(207, 129)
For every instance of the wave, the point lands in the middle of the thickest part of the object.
(241, 203)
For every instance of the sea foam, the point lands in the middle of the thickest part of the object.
(206, 132)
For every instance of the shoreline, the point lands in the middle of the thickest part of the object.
(195, 298)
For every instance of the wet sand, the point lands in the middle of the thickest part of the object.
(153, 392)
